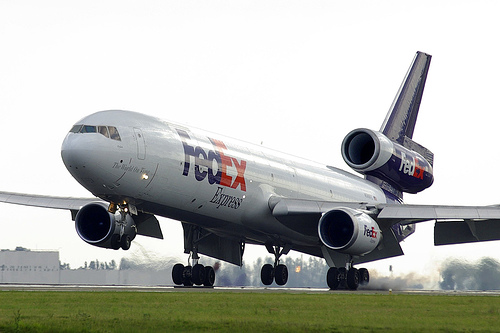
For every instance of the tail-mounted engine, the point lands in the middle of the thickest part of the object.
(349, 231)
(97, 226)
(373, 154)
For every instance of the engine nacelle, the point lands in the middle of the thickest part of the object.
(372, 153)
(97, 226)
(349, 231)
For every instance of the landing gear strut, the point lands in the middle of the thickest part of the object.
(347, 277)
(123, 239)
(277, 272)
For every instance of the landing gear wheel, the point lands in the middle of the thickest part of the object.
(353, 279)
(125, 242)
(281, 275)
(115, 242)
(178, 274)
(333, 278)
(209, 276)
(364, 276)
(187, 276)
(198, 274)
(342, 277)
(267, 274)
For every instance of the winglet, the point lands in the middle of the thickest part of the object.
(402, 116)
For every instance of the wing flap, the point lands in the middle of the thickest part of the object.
(459, 232)
(148, 225)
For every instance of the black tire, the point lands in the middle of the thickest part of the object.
(342, 277)
(267, 274)
(364, 276)
(353, 279)
(178, 274)
(333, 278)
(198, 274)
(186, 276)
(281, 275)
(115, 242)
(125, 242)
(209, 276)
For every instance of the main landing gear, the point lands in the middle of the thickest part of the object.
(128, 229)
(277, 272)
(347, 277)
(194, 274)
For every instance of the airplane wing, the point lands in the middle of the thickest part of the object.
(453, 224)
(419, 213)
(72, 204)
(386, 214)
(147, 224)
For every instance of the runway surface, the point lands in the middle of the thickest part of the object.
(128, 288)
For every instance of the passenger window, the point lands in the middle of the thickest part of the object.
(88, 129)
(113, 133)
(76, 128)
(104, 131)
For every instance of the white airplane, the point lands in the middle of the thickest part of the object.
(229, 193)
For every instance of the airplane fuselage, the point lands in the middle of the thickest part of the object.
(221, 184)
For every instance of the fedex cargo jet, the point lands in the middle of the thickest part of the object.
(228, 193)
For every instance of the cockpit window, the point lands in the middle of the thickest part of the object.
(76, 128)
(104, 131)
(113, 133)
(108, 131)
(88, 129)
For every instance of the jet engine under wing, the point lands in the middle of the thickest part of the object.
(147, 224)
(304, 215)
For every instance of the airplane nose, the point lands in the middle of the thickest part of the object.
(77, 154)
(91, 157)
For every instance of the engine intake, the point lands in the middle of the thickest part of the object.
(98, 227)
(349, 231)
(372, 153)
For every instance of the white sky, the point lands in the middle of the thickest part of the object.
(295, 75)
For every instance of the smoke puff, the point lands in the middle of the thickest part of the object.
(462, 275)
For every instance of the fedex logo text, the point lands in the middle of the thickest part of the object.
(370, 233)
(204, 164)
(410, 166)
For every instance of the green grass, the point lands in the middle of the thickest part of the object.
(37, 311)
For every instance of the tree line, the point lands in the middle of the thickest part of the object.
(311, 272)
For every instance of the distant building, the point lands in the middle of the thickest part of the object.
(26, 266)
(43, 267)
